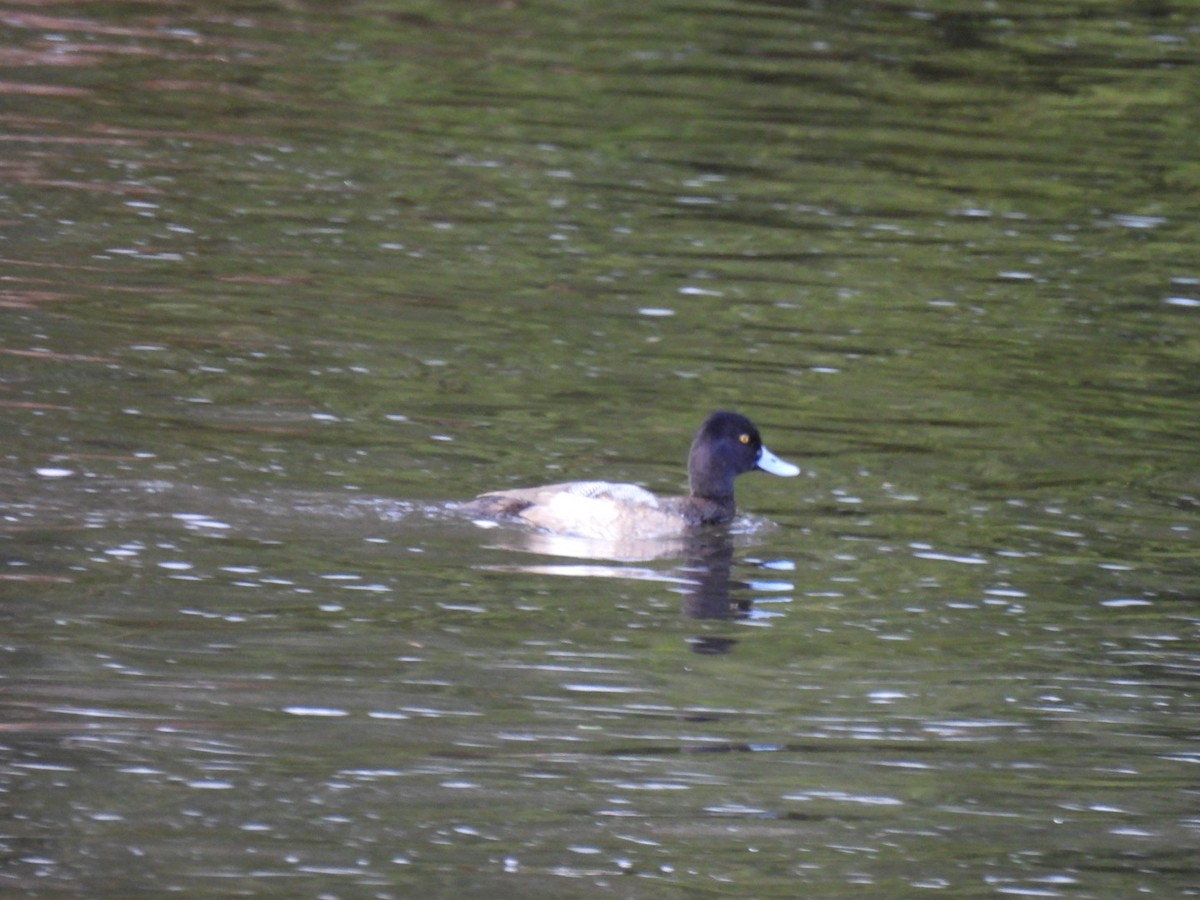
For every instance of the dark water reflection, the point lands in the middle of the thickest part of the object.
(281, 285)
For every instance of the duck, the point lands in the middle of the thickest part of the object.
(725, 446)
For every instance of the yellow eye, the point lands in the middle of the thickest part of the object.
(745, 438)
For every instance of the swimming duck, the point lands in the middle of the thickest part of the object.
(725, 446)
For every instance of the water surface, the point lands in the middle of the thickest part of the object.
(284, 284)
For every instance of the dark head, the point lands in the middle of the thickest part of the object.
(727, 445)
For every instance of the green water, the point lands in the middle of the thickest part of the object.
(282, 284)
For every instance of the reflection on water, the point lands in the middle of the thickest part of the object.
(282, 284)
(704, 578)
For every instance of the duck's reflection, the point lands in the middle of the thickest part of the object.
(708, 594)
(705, 579)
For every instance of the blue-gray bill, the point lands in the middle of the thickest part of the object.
(769, 462)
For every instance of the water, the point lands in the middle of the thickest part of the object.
(283, 285)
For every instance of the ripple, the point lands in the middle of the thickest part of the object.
(315, 711)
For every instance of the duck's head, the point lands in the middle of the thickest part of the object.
(727, 445)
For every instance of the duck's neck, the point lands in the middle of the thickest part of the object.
(701, 510)
(707, 481)
(718, 491)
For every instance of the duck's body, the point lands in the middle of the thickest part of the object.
(726, 445)
(601, 509)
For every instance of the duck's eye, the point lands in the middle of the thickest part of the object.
(745, 438)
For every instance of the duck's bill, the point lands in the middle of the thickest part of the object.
(769, 462)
